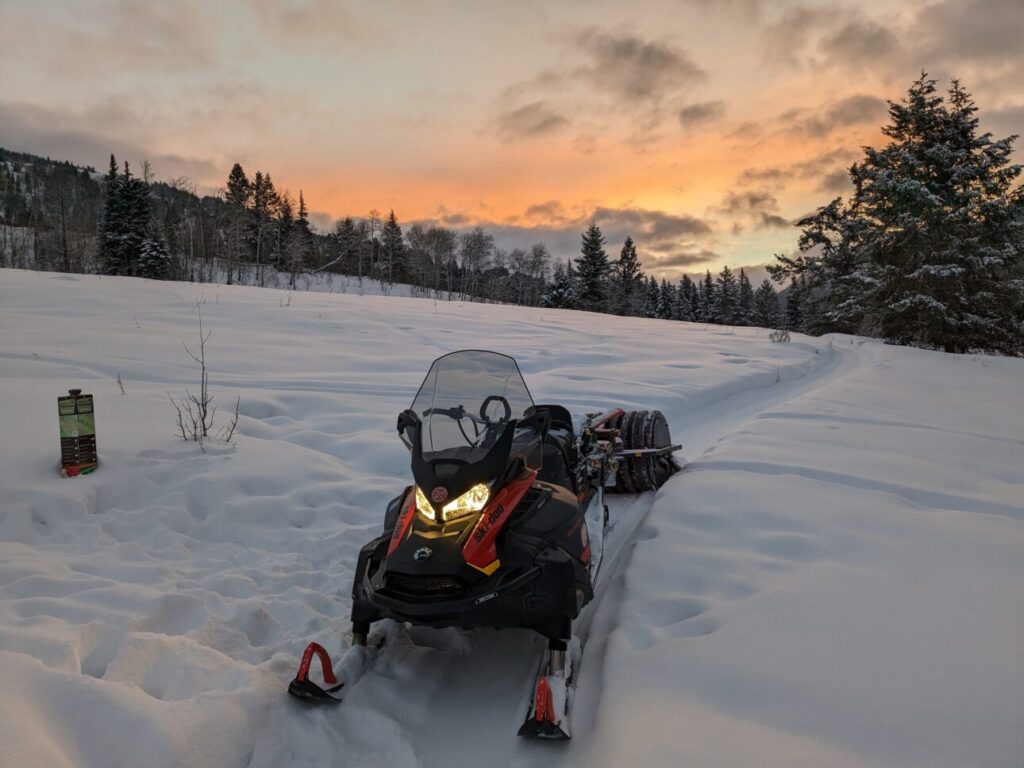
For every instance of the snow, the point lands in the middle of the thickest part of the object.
(835, 579)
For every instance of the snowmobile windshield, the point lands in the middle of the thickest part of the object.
(465, 403)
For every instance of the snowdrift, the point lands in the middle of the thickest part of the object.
(835, 579)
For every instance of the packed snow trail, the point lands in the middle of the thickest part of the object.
(848, 526)
(445, 667)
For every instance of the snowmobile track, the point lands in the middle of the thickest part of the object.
(507, 659)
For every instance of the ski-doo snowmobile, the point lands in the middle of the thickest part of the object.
(504, 525)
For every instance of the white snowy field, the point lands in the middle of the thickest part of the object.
(836, 579)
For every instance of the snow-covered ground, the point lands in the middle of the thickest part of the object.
(837, 578)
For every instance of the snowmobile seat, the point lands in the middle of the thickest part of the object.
(558, 463)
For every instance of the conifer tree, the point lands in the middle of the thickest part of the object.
(393, 250)
(666, 301)
(744, 300)
(301, 250)
(706, 306)
(238, 196)
(794, 306)
(562, 292)
(766, 306)
(111, 222)
(628, 277)
(929, 249)
(155, 260)
(726, 298)
(591, 270)
(687, 299)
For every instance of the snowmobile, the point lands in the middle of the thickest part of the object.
(504, 525)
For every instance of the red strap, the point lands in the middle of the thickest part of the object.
(543, 706)
(325, 663)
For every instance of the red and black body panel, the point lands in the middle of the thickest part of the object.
(523, 561)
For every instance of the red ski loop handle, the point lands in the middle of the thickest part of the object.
(544, 708)
(325, 664)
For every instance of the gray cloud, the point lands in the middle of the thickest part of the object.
(1005, 121)
(634, 69)
(757, 208)
(303, 21)
(131, 36)
(859, 42)
(64, 135)
(853, 110)
(829, 168)
(529, 121)
(686, 258)
(665, 241)
(701, 112)
(836, 182)
(989, 31)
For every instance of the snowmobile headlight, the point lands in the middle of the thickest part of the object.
(473, 500)
(423, 506)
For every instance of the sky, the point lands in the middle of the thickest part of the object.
(702, 128)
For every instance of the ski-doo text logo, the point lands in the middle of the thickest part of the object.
(487, 522)
(422, 554)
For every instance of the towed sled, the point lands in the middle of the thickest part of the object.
(504, 525)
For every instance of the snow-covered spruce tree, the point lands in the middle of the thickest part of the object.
(392, 249)
(744, 300)
(928, 250)
(301, 248)
(794, 317)
(627, 279)
(124, 222)
(766, 306)
(155, 260)
(111, 223)
(666, 301)
(707, 300)
(239, 230)
(687, 299)
(561, 294)
(727, 294)
(652, 295)
(591, 270)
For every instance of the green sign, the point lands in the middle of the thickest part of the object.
(77, 433)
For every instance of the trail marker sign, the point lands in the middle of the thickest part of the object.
(77, 434)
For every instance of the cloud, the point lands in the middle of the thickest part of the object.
(835, 182)
(784, 41)
(120, 36)
(852, 110)
(666, 241)
(987, 31)
(629, 67)
(1005, 121)
(830, 169)
(757, 208)
(859, 42)
(69, 136)
(303, 21)
(687, 258)
(529, 121)
(701, 112)
(654, 225)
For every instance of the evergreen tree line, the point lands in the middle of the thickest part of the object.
(593, 282)
(127, 224)
(929, 249)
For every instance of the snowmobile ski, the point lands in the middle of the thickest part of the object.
(304, 688)
(550, 710)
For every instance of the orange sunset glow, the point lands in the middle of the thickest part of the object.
(701, 128)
